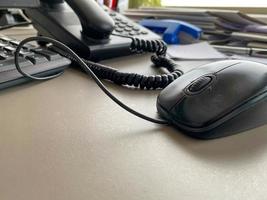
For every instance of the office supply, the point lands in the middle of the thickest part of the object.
(250, 37)
(171, 29)
(217, 24)
(113, 4)
(262, 45)
(197, 17)
(197, 51)
(236, 17)
(257, 52)
(207, 19)
(34, 60)
(95, 32)
(249, 58)
(211, 101)
(256, 29)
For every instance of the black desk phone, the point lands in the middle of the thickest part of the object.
(95, 33)
(86, 27)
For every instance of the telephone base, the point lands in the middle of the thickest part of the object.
(61, 22)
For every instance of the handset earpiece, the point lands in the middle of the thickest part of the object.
(96, 23)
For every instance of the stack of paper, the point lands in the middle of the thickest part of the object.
(208, 20)
(220, 27)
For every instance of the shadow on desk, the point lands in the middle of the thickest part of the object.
(232, 149)
(237, 149)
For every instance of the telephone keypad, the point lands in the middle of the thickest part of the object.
(125, 26)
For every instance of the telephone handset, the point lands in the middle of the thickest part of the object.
(97, 24)
(87, 27)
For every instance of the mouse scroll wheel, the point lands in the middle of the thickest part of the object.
(199, 84)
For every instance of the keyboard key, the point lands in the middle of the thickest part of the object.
(5, 39)
(10, 49)
(26, 46)
(14, 42)
(36, 59)
(24, 53)
(48, 54)
(2, 45)
(9, 64)
(3, 56)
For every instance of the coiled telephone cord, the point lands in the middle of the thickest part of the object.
(134, 79)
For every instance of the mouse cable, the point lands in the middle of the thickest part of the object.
(85, 67)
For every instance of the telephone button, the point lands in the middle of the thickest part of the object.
(124, 22)
(127, 29)
(112, 14)
(121, 25)
(144, 32)
(118, 18)
(119, 30)
(136, 28)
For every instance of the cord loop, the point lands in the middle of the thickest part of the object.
(86, 68)
(138, 80)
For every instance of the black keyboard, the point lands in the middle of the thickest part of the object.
(33, 60)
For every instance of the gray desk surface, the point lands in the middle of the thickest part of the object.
(64, 139)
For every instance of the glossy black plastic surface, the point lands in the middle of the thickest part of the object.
(222, 91)
(86, 26)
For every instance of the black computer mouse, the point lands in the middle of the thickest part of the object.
(217, 99)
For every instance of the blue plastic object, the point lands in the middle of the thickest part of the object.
(171, 29)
